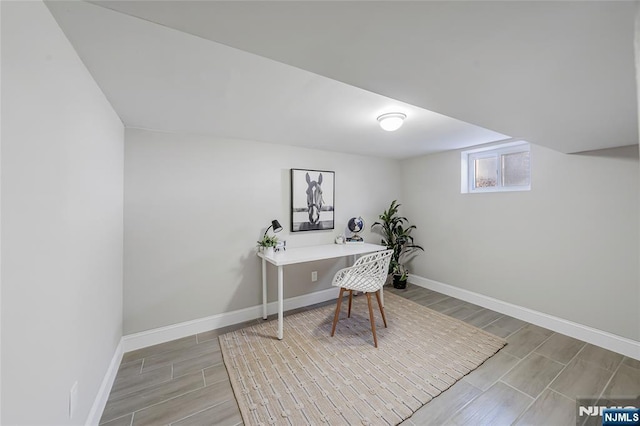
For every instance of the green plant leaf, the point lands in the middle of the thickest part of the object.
(395, 231)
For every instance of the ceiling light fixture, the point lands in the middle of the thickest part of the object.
(391, 121)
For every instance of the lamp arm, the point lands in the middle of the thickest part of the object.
(265, 232)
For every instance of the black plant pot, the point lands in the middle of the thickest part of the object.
(398, 283)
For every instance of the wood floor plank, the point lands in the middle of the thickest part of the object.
(122, 421)
(147, 397)
(439, 410)
(429, 299)
(491, 370)
(630, 362)
(508, 323)
(409, 292)
(550, 408)
(482, 318)
(213, 334)
(500, 405)
(181, 354)
(540, 330)
(624, 383)
(215, 374)
(133, 383)
(198, 363)
(446, 304)
(601, 357)
(130, 368)
(224, 414)
(182, 406)
(533, 374)
(463, 311)
(560, 348)
(581, 379)
(521, 343)
(159, 348)
(497, 331)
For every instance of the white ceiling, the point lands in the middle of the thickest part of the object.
(559, 74)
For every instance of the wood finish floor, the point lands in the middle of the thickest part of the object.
(534, 380)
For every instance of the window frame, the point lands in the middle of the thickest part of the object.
(467, 169)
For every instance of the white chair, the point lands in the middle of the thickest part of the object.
(367, 275)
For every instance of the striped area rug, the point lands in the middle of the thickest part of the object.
(311, 378)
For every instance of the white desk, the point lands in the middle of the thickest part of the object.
(300, 255)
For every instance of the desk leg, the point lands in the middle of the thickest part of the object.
(264, 289)
(280, 303)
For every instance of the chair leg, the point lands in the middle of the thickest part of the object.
(335, 318)
(350, 297)
(373, 324)
(381, 308)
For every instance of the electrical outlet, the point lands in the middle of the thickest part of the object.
(314, 276)
(73, 399)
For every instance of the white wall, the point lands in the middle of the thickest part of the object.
(637, 57)
(0, 226)
(62, 223)
(195, 207)
(568, 247)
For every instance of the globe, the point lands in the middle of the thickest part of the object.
(356, 224)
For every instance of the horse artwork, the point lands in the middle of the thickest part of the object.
(312, 197)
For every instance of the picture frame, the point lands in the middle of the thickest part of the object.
(312, 200)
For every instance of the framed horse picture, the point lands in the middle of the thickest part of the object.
(312, 200)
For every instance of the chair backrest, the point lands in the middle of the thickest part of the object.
(371, 256)
(368, 274)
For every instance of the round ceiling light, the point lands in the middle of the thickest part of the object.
(391, 121)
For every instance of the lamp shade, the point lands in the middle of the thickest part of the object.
(391, 121)
(276, 226)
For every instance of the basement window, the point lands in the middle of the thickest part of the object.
(496, 168)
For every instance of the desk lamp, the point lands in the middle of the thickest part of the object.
(276, 227)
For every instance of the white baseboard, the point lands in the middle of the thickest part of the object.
(93, 419)
(188, 328)
(622, 345)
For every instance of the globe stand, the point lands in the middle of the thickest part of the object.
(355, 238)
(355, 225)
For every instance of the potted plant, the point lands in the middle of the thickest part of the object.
(396, 235)
(400, 276)
(267, 244)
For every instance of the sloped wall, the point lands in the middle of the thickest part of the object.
(62, 192)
